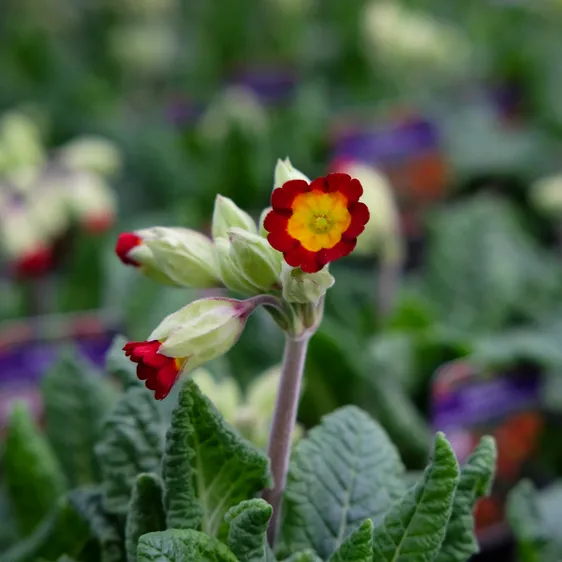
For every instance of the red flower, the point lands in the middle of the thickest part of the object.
(34, 263)
(159, 371)
(125, 243)
(318, 222)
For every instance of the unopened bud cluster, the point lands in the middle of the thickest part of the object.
(315, 222)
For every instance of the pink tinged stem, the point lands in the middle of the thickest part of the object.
(284, 418)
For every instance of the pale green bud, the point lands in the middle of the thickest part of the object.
(48, 206)
(230, 271)
(19, 233)
(227, 214)
(203, 330)
(92, 201)
(23, 178)
(254, 255)
(305, 287)
(224, 394)
(263, 232)
(20, 141)
(91, 154)
(285, 171)
(546, 195)
(185, 256)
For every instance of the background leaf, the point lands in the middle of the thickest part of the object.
(207, 466)
(247, 530)
(105, 528)
(415, 527)
(475, 481)
(131, 442)
(77, 399)
(343, 472)
(182, 545)
(358, 547)
(63, 530)
(33, 477)
(146, 512)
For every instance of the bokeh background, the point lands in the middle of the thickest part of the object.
(123, 114)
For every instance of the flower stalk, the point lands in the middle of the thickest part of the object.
(283, 425)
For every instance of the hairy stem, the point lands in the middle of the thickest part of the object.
(284, 418)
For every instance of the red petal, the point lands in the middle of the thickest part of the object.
(282, 241)
(144, 372)
(320, 184)
(350, 187)
(275, 222)
(125, 243)
(359, 218)
(295, 187)
(305, 259)
(166, 379)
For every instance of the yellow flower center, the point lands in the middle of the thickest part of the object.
(319, 219)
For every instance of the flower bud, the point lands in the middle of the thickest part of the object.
(91, 154)
(195, 334)
(227, 214)
(92, 201)
(174, 256)
(285, 171)
(254, 255)
(48, 207)
(186, 256)
(382, 233)
(262, 231)
(230, 272)
(546, 195)
(20, 141)
(302, 287)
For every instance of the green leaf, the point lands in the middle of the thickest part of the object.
(358, 547)
(119, 365)
(415, 527)
(343, 472)
(524, 515)
(62, 531)
(131, 443)
(181, 546)
(33, 477)
(208, 467)
(247, 532)
(77, 399)
(307, 555)
(476, 479)
(146, 512)
(104, 527)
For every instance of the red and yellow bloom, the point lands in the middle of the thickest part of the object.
(158, 371)
(315, 223)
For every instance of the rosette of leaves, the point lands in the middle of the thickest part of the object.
(188, 490)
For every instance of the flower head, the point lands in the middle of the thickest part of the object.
(199, 332)
(318, 222)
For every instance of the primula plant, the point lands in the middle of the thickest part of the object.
(153, 486)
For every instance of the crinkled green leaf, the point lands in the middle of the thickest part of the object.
(77, 399)
(247, 530)
(104, 527)
(307, 555)
(63, 530)
(119, 365)
(524, 515)
(358, 547)
(131, 443)
(415, 527)
(181, 546)
(33, 477)
(476, 478)
(146, 512)
(208, 467)
(344, 471)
